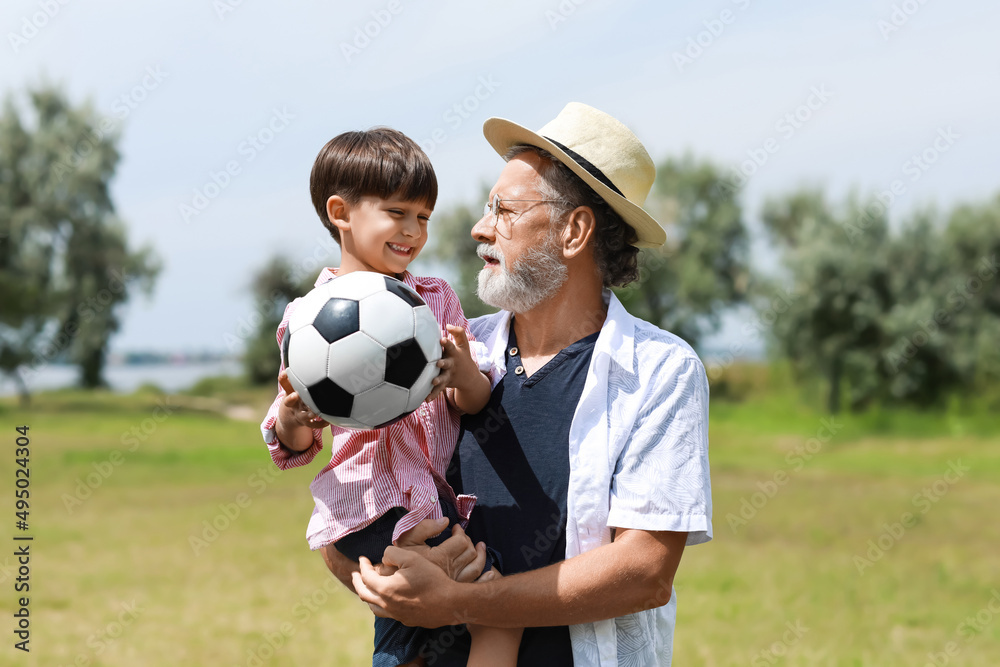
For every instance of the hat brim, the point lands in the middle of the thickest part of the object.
(503, 135)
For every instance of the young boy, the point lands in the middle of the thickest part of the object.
(374, 192)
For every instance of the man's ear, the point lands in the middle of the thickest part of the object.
(578, 231)
(339, 213)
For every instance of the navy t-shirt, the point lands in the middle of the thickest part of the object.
(514, 456)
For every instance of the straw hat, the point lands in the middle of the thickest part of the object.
(601, 151)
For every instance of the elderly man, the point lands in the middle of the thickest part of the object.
(590, 463)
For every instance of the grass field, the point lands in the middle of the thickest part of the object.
(164, 536)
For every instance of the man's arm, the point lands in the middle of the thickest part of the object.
(660, 488)
(633, 573)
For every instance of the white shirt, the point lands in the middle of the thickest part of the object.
(638, 458)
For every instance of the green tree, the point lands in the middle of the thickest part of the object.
(972, 243)
(65, 265)
(945, 324)
(274, 286)
(702, 269)
(909, 315)
(917, 360)
(832, 327)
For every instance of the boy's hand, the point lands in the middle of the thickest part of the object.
(460, 559)
(458, 368)
(294, 412)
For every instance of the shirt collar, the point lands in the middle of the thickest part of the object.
(330, 272)
(497, 341)
(616, 340)
(325, 276)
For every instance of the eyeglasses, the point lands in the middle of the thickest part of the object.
(493, 208)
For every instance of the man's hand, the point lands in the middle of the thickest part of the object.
(343, 567)
(457, 556)
(420, 593)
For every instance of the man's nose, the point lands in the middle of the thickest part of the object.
(483, 231)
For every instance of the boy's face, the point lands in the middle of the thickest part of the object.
(387, 234)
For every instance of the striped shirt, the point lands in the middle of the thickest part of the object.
(401, 465)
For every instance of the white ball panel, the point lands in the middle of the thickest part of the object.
(380, 404)
(386, 318)
(300, 388)
(307, 355)
(357, 285)
(356, 363)
(422, 387)
(428, 332)
(308, 307)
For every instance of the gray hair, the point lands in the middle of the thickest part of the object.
(615, 256)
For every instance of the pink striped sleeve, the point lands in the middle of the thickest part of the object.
(283, 457)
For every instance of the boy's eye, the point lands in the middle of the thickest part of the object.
(396, 211)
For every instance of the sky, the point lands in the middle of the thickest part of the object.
(223, 105)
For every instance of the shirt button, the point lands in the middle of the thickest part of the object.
(513, 351)
(519, 370)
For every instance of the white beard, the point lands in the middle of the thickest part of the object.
(534, 278)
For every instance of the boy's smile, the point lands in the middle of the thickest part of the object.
(403, 250)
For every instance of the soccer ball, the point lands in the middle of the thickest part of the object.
(361, 350)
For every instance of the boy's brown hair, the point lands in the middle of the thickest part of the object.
(380, 162)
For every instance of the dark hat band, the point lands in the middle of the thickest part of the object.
(586, 164)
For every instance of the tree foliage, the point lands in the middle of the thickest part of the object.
(65, 265)
(905, 315)
(274, 286)
(830, 325)
(702, 269)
